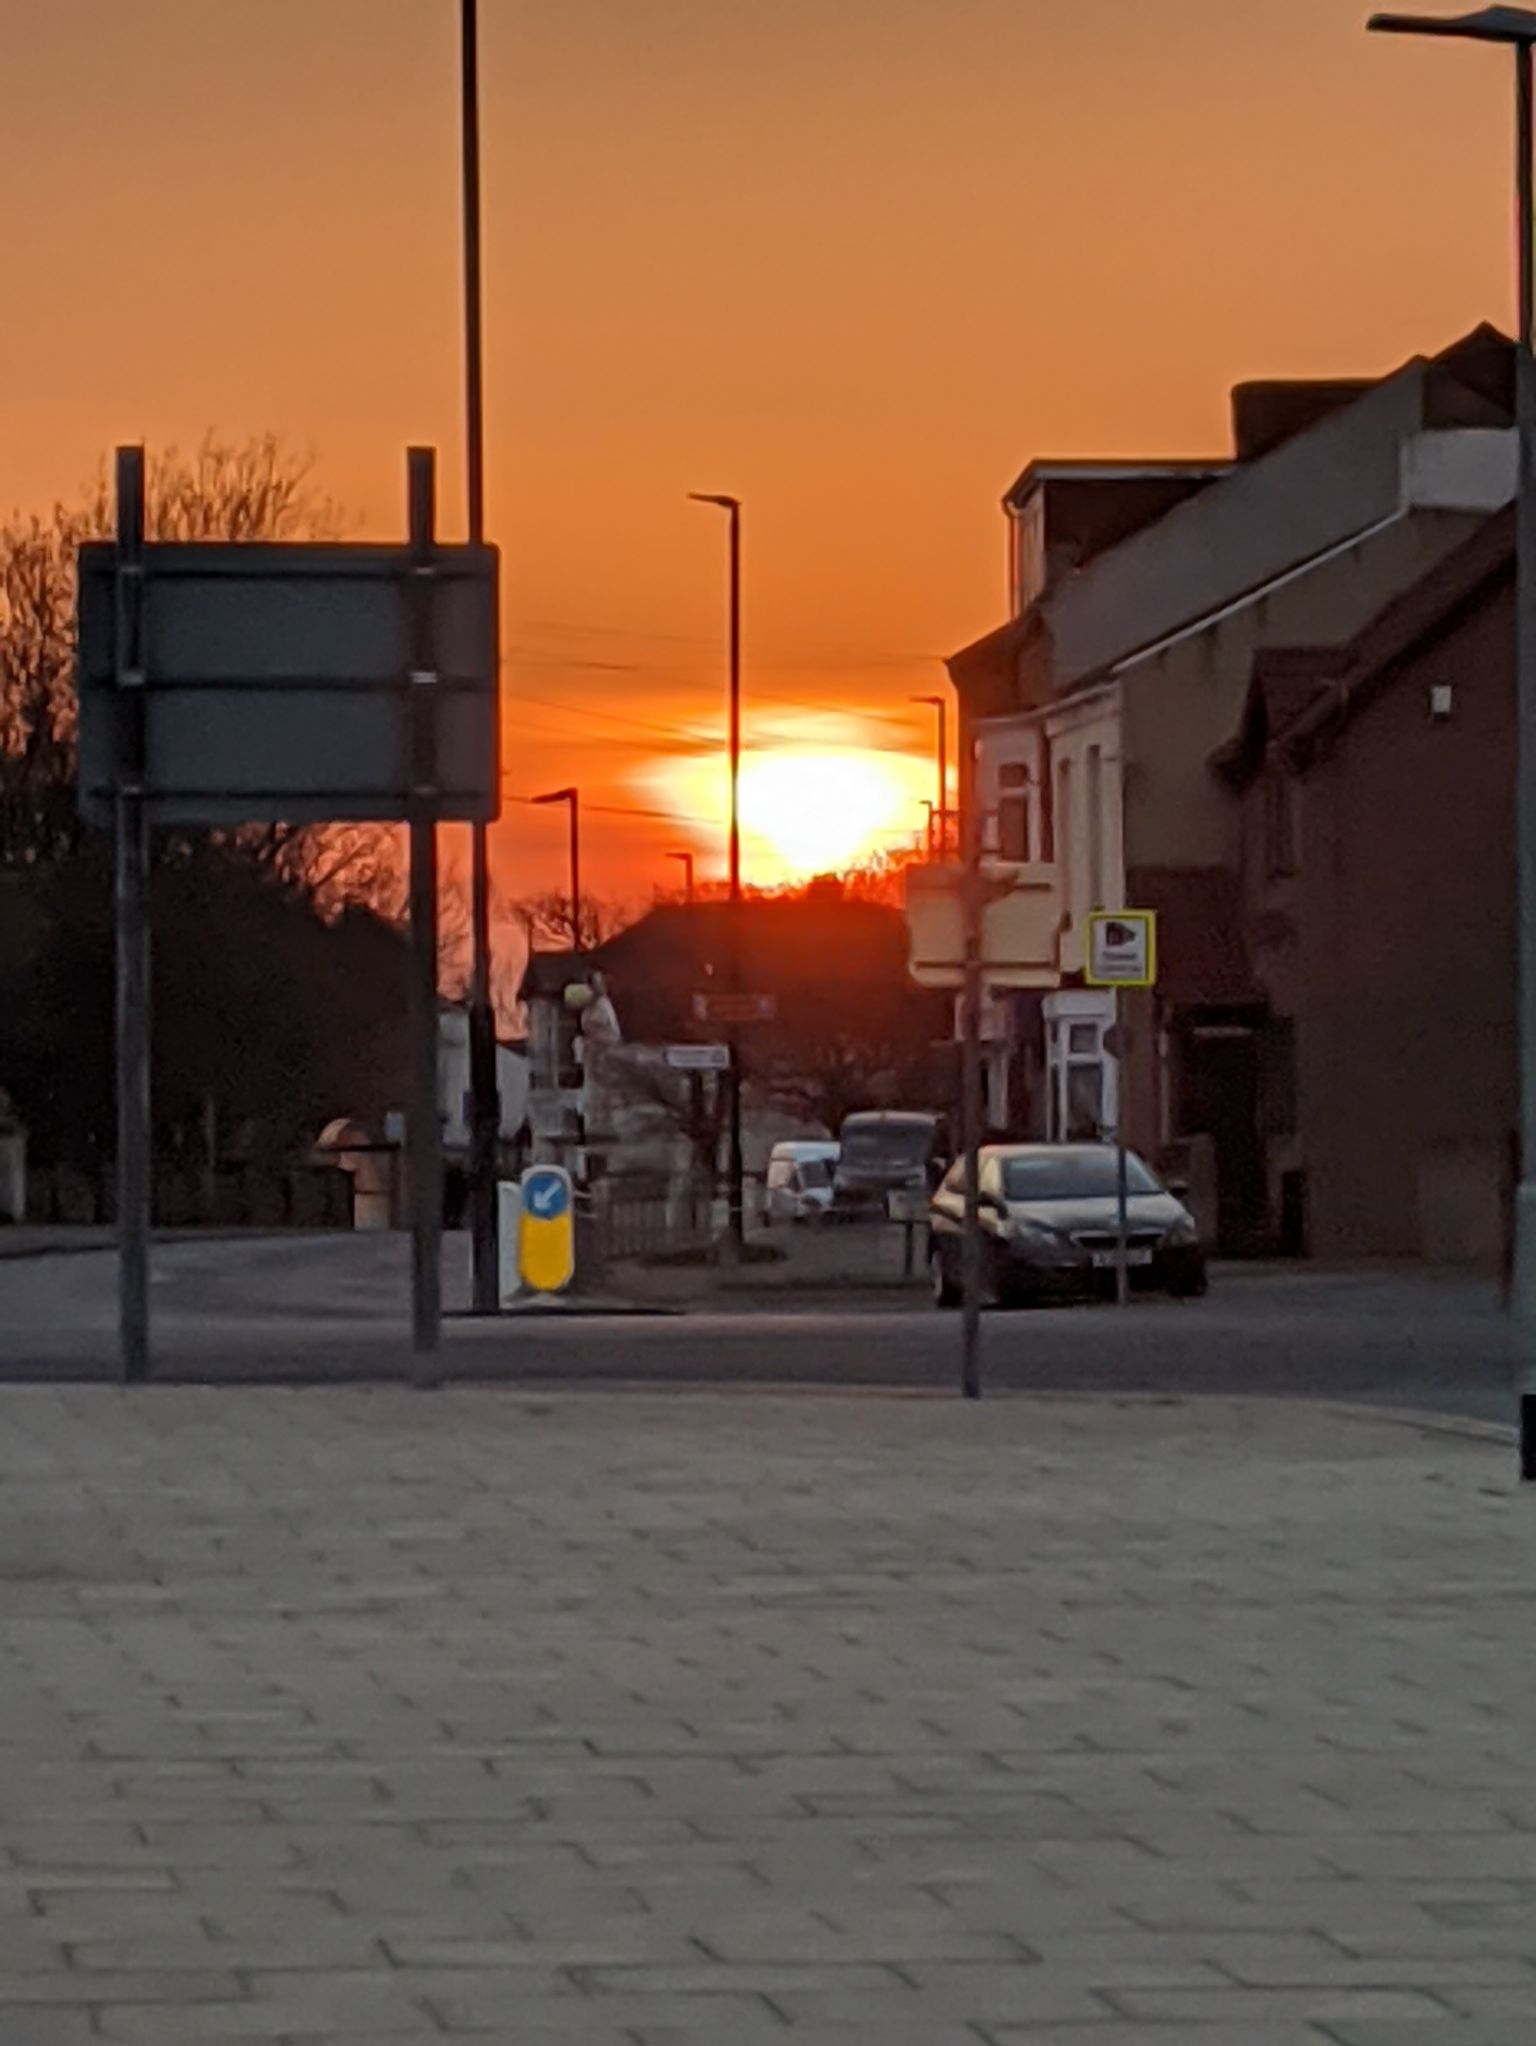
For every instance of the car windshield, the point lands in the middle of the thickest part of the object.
(887, 1144)
(815, 1172)
(1072, 1176)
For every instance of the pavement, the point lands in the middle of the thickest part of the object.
(701, 1718)
(315, 1308)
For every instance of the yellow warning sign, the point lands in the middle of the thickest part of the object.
(547, 1234)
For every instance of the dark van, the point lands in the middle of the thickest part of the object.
(884, 1151)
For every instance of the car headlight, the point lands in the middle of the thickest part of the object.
(1183, 1235)
(1021, 1230)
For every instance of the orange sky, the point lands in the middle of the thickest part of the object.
(854, 260)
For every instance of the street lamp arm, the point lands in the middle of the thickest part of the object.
(1487, 25)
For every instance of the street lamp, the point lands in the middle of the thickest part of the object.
(1515, 27)
(938, 703)
(687, 862)
(731, 506)
(572, 797)
(485, 1109)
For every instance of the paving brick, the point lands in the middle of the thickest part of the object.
(681, 1719)
(22, 2026)
(1317, 2005)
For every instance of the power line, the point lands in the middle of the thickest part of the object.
(803, 662)
(629, 810)
(709, 740)
(614, 717)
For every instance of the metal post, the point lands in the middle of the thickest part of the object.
(687, 862)
(485, 1106)
(970, 1110)
(576, 944)
(424, 1133)
(131, 896)
(940, 808)
(736, 1190)
(1525, 797)
(1122, 1186)
(943, 710)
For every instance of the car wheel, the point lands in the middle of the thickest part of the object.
(1191, 1285)
(1008, 1285)
(1012, 1291)
(946, 1282)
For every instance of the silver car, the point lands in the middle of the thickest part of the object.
(1049, 1224)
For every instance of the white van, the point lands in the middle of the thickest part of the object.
(799, 1181)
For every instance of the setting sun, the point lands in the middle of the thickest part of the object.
(805, 812)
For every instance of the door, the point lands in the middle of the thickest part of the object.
(1220, 1075)
(1081, 1098)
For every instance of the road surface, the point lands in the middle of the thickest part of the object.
(331, 1309)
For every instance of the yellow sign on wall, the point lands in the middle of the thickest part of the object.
(1122, 948)
(546, 1243)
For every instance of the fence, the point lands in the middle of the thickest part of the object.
(239, 1197)
(652, 1215)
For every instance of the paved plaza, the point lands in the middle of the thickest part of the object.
(748, 1718)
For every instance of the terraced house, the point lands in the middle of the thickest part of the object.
(1098, 725)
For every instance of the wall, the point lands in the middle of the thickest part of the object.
(1263, 519)
(1085, 844)
(453, 1082)
(1182, 704)
(1407, 957)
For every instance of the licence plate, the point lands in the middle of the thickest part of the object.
(1132, 1257)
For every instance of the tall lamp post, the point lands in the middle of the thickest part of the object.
(687, 863)
(731, 506)
(938, 703)
(485, 1109)
(573, 798)
(1515, 27)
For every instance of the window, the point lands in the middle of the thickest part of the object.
(1095, 805)
(1073, 1175)
(1013, 794)
(1280, 802)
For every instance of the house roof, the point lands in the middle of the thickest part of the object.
(786, 939)
(1300, 698)
(1467, 384)
(984, 672)
(1269, 411)
(820, 954)
(1180, 469)
(1471, 383)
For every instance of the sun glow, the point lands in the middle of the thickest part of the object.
(806, 811)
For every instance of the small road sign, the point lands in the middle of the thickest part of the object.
(698, 1058)
(1122, 948)
(547, 1233)
(721, 1006)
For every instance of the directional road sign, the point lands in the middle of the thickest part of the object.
(547, 1235)
(698, 1058)
(721, 1006)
